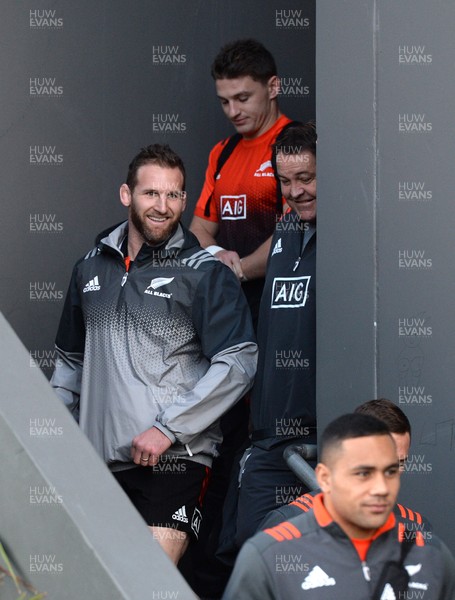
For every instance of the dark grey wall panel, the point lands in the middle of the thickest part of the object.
(346, 197)
(384, 109)
(85, 85)
(416, 217)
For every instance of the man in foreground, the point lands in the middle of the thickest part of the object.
(156, 343)
(351, 546)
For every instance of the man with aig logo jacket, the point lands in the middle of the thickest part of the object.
(283, 404)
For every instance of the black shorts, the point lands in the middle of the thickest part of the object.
(169, 494)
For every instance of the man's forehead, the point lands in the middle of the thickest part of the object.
(367, 449)
(236, 85)
(290, 161)
(157, 177)
(357, 444)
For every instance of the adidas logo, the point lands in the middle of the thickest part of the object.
(180, 515)
(92, 286)
(277, 248)
(388, 593)
(317, 578)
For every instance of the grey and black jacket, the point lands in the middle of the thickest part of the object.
(310, 557)
(168, 343)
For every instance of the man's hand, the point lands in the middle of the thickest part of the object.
(147, 447)
(233, 261)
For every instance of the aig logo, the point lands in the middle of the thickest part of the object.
(233, 207)
(290, 292)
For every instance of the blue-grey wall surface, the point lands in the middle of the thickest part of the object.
(385, 232)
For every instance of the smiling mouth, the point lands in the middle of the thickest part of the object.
(157, 219)
(303, 201)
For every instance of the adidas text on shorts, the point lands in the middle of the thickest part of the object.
(168, 495)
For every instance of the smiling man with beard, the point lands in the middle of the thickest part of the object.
(155, 344)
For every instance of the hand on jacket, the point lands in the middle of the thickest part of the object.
(232, 260)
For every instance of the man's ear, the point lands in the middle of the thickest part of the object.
(273, 85)
(323, 476)
(125, 195)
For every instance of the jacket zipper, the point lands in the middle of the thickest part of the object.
(299, 258)
(127, 263)
(366, 571)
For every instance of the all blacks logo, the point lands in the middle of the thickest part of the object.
(290, 292)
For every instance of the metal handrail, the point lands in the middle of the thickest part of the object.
(296, 457)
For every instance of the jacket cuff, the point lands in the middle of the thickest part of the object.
(166, 431)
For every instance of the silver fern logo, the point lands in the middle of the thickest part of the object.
(157, 283)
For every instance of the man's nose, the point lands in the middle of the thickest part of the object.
(297, 189)
(161, 202)
(232, 109)
(379, 487)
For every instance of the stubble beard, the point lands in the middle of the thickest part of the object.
(148, 235)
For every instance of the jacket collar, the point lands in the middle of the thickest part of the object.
(180, 240)
(324, 519)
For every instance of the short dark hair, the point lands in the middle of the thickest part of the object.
(386, 411)
(349, 426)
(158, 154)
(242, 58)
(296, 138)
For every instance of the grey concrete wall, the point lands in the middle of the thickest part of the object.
(385, 232)
(65, 522)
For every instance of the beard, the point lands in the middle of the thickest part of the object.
(153, 236)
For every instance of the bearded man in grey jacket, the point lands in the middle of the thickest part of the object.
(155, 344)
